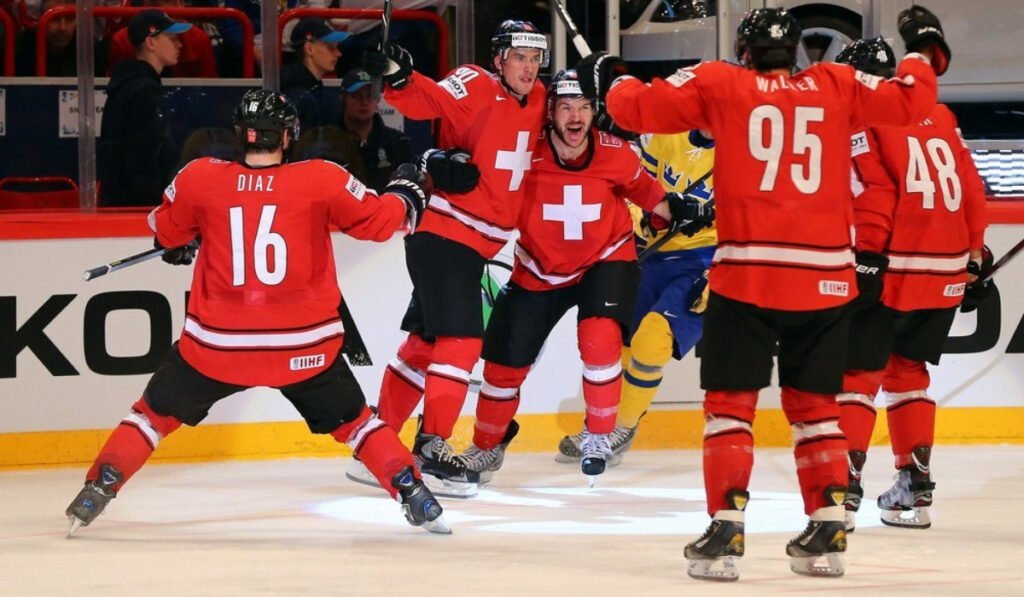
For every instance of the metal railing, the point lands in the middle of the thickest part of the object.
(130, 11)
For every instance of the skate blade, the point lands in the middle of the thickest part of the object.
(591, 480)
(362, 480)
(451, 489)
(826, 565)
(707, 570)
(916, 518)
(485, 477)
(438, 526)
(75, 525)
(566, 459)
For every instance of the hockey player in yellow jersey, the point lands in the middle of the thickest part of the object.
(673, 288)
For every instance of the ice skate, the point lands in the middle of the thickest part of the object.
(487, 462)
(715, 555)
(818, 550)
(597, 451)
(418, 504)
(443, 472)
(854, 491)
(360, 474)
(621, 440)
(93, 498)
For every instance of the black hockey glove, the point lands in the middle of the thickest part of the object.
(182, 255)
(689, 214)
(920, 29)
(871, 268)
(596, 73)
(450, 170)
(413, 186)
(393, 64)
(604, 122)
(979, 290)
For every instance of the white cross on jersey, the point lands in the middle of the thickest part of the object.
(518, 161)
(572, 213)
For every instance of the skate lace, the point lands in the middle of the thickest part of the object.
(442, 451)
(596, 445)
(476, 459)
(621, 435)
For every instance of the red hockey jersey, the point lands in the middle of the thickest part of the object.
(782, 166)
(574, 217)
(480, 116)
(939, 208)
(264, 304)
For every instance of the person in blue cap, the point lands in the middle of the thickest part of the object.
(315, 44)
(381, 147)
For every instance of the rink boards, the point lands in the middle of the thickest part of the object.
(74, 355)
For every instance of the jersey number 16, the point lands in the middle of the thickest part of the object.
(265, 241)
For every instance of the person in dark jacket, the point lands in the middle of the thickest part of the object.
(135, 161)
(382, 148)
(316, 46)
(61, 52)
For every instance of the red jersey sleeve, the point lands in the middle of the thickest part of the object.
(638, 185)
(665, 105)
(905, 99)
(874, 194)
(975, 197)
(455, 97)
(359, 211)
(174, 221)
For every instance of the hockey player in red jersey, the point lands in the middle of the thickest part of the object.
(784, 268)
(575, 248)
(496, 118)
(920, 210)
(263, 310)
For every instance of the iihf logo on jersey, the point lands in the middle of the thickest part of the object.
(834, 288)
(307, 362)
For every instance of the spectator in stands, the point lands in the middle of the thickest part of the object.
(382, 148)
(135, 162)
(61, 50)
(316, 44)
(196, 58)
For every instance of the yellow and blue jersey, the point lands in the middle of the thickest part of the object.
(676, 163)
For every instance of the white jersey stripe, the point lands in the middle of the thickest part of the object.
(264, 340)
(356, 438)
(894, 399)
(489, 230)
(143, 425)
(934, 264)
(788, 255)
(601, 373)
(714, 425)
(856, 398)
(555, 279)
(602, 412)
(409, 372)
(487, 389)
(448, 371)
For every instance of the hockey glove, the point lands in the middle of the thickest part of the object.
(920, 29)
(413, 186)
(597, 72)
(182, 255)
(450, 170)
(604, 122)
(978, 290)
(689, 214)
(392, 64)
(871, 268)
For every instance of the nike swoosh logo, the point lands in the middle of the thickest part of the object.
(669, 314)
(498, 98)
(607, 304)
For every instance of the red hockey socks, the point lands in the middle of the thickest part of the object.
(728, 444)
(404, 378)
(132, 441)
(497, 403)
(819, 445)
(600, 343)
(911, 413)
(447, 382)
(857, 407)
(377, 446)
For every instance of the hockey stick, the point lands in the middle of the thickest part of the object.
(113, 266)
(577, 40)
(676, 228)
(353, 346)
(377, 85)
(1005, 259)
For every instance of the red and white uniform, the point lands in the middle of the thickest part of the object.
(479, 115)
(264, 304)
(575, 216)
(939, 211)
(784, 209)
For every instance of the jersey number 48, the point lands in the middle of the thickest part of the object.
(919, 178)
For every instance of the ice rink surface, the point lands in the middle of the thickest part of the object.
(299, 527)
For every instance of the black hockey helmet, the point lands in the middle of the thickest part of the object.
(513, 33)
(873, 56)
(771, 35)
(262, 117)
(565, 83)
